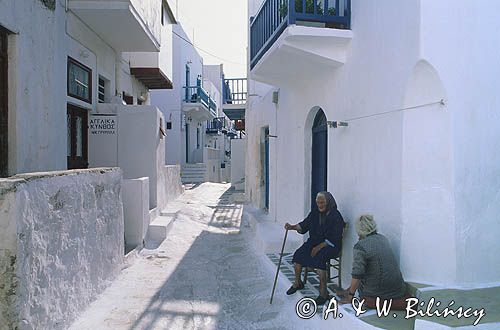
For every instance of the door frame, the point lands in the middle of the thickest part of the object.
(266, 167)
(4, 103)
(319, 127)
(72, 160)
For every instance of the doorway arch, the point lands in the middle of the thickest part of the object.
(319, 155)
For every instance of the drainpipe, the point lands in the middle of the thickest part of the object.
(117, 77)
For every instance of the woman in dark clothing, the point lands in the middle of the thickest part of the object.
(325, 226)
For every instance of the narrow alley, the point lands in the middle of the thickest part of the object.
(205, 275)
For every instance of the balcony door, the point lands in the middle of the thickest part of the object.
(77, 130)
(4, 111)
(319, 156)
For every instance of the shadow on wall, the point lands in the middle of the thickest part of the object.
(427, 192)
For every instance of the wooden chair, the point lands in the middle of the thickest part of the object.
(335, 263)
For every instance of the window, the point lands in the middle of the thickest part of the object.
(169, 125)
(128, 99)
(197, 138)
(101, 93)
(79, 81)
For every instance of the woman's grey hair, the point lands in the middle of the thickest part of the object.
(331, 204)
(365, 225)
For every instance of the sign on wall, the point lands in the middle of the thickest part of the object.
(102, 125)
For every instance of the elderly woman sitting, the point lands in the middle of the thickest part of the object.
(375, 271)
(325, 226)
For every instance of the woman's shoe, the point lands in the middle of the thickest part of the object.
(320, 300)
(293, 289)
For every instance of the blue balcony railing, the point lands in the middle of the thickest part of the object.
(275, 15)
(196, 94)
(215, 125)
(235, 91)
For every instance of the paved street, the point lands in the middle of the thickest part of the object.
(205, 275)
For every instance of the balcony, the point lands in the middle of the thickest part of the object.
(301, 34)
(216, 126)
(126, 25)
(235, 92)
(154, 69)
(198, 104)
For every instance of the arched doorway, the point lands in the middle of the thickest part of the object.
(319, 155)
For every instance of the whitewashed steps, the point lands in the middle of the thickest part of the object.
(193, 173)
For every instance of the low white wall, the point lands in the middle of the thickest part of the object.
(134, 144)
(238, 149)
(61, 241)
(169, 184)
(135, 195)
(212, 160)
(225, 173)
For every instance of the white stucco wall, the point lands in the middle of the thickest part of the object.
(85, 46)
(470, 80)
(170, 186)
(63, 241)
(150, 13)
(135, 194)
(36, 85)
(261, 113)
(238, 151)
(138, 148)
(170, 101)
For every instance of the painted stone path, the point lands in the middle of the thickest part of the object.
(205, 275)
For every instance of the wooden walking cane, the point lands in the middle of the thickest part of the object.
(278, 270)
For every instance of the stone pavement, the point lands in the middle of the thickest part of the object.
(207, 274)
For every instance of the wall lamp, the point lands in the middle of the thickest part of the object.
(336, 124)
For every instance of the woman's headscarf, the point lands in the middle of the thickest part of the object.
(331, 204)
(366, 225)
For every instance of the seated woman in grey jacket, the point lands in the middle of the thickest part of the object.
(375, 271)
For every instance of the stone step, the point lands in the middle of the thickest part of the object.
(201, 165)
(193, 175)
(158, 230)
(202, 170)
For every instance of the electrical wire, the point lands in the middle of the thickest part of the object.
(207, 52)
(392, 111)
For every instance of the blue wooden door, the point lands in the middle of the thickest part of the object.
(4, 113)
(266, 166)
(319, 156)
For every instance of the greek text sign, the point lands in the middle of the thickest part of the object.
(102, 125)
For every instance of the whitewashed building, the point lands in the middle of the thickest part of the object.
(197, 129)
(61, 59)
(391, 106)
